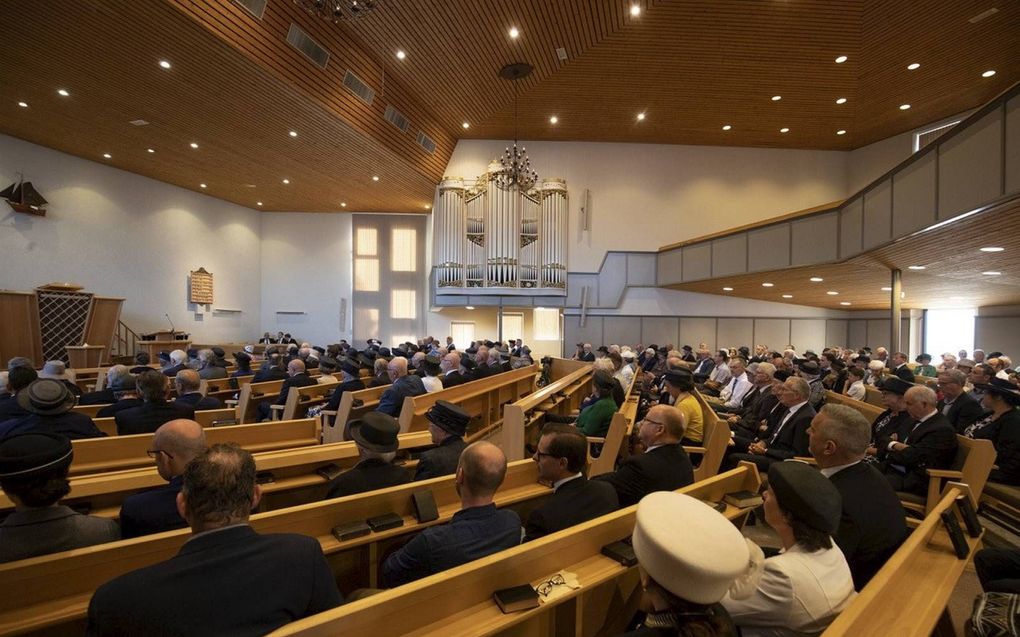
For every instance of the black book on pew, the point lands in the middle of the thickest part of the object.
(329, 471)
(351, 530)
(743, 499)
(385, 522)
(516, 598)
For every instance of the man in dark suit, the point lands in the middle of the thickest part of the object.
(402, 386)
(872, 525)
(233, 581)
(174, 445)
(561, 455)
(958, 406)
(664, 466)
(786, 435)
(178, 362)
(929, 443)
(105, 396)
(450, 366)
(376, 437)
(296, 377)
(447, 424)
(18, 379)
(272, 369)
(477, 530)
(350, 372)
(155, 411)
(188, 394)
(125, 396)
(48, 403)
(900, 368)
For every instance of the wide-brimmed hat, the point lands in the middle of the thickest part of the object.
(449, 417)
(352, 367)
(1001, 387)
(56, 370)
(809, 367)
(376, 431)
(46, 397)
(923, 357)
(895, 384)
(28, 455)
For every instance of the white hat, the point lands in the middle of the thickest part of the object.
(249, 349)
(692, 551)
(56, 370)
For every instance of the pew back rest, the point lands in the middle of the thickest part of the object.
(520, 417)
(715, 439)
(252, 393)
(868, 410)
(206, 418)
(300, 398)
(353, 404)
(873, 396)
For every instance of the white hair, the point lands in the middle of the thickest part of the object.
(876, 366)
(178, 356)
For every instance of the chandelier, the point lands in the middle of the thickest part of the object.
(338, 10)
(515, 167)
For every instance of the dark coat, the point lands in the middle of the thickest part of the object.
(152, 511)
(666, 468)
(9, 408)
(576, 501)
(1004, 433)
(964, 412)
(172, 371)
(792, 438)
(198, 402)
(70, 424)
(267, 373)
(441, 461)
(31, 532)
(903, 372)
(872, 526)
(297, 380)
(338, 393)
(930, 445)
(232, 582)
(101, 397)
(367, 475)
(453, 379)
(380, 381)
(392, 399)
(124, 403)
(149, 417)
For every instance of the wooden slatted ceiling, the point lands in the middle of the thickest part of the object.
(238, 113)
(952, 276)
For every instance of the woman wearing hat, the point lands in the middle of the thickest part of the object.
(892, 422)
(56, 370)
(685, 577)
(805, 587)
(1002, 427)
(594, 420)
(924, 366)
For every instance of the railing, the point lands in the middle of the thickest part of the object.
(125, 341)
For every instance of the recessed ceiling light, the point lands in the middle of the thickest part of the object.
(784, 130)
(787, 296)
(913, 67)
(832, 293)
(258, 203)
(841, 132)
(514, 32)
(916, 267)
(635, 10)
(428, 206)
(727, 127)
(375, 177)
(887, 289)
(727, 289)
(469, 307)
(286, 181)
(201, 185)
(401, 55)
(844, 302)
(992, 249)
(194, 145)
(23, 104)
(991, 273)
(988, 73)
(904, 107)
(841, 59)
(293, 133)
(465, 125)
(776, 98)
(767, 284)
(164, 64)
(816, 279)
(149, 150)
(640, 116)
(107, 156)
(554, 119)
(841, 100)
(62, 93)
(343, 204)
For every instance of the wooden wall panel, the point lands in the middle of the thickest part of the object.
(694, 331)
(734, 332)
(19, 336)
(102, 324)
(773, 333)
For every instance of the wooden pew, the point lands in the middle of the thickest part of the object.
(562, 367)
(116, 453)
(223, 388)
(972, 464)
(715, 439)
(50, 594)
(1001, 502)
(615, 444)
(522, 420)
(89, 410)
(353, 404)
(206, 418)
(868, 410)
(873, 396)
(908, 596)
(459, 601)
(299, 399)
(251, 394)
(295, 480)
(927, 380)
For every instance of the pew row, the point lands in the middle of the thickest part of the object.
(299, 399)
(868, 410)
(459, 601)
(715, 439)
(614, 446)
(353, 405)
(971, 465)
(206, 418)
(522, 419)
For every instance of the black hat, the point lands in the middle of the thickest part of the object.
(366, 361)
(164, 356)
(807, 494)
(218, 351)
(489, 344)
(46, 397)
(328, 364)
(400, 351)
(923, 357)
(467, 361)
(242, 356)
(192, 353)
(809, 367)
(376, 431)
(896, 385)
(351, 366)
(28, 455)
(384, 352)
(449, 417)
(603, 348)
(432, 359)
(321, 350)
(1001, 387)
(837, 365)
(687, 348)
(471, 350)
(678, 375)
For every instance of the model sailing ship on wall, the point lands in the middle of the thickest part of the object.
(23, 197)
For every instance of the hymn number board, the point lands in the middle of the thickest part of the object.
(201, 287)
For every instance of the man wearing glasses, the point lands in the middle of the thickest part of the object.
(561, 455)
(174, 445)
(664, 466)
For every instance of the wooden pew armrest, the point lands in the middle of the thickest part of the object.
(945, 473)
(593, 439)
(806, 459)
(689, 449)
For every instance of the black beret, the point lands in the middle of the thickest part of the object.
(489, 344)
(218, 351)
(449, 417)
(471, 350)
(321, 350)
(400, 351)
(432, 359)
(365, 361)
(688, 348)
(242, 356)
(896, 385)
(678, 375)
(807, 494)
(28, 455)
(164, 356)
(351, 366)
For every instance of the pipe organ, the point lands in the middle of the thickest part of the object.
(488, 240)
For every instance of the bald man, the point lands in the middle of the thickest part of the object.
(188, 384)
(296, 377)
(174, 445)
(402, 385)
(477, 530)
(450, 365)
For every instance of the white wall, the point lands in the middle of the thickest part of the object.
(870, 162)
(122, 235)
(484, 319)
(306, 266)
(643, 196)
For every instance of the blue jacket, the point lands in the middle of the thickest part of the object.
(393, 398)
(152, 511)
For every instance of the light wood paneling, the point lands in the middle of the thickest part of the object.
(19, 318)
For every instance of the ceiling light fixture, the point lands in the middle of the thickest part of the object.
(164, 64)
(727, 289)
(336, 11)
(991, 273)
(554, 119)
(23, 104)
(767, 284)
(913, 67)
(107, 156)
(841, 59)
(832, 293)
(841, 132)
(816, 279)
(988, 73)
(787, 296)
(258, 203)
(401, 55)
(635, 10)
(149, 150)
(293, 133)
(62, 93)
(887, 289)
(727, 127)
(916, 267)
(784, 130)
(640, 117)
(194, 145)
(201, 185)
(776, 98)
(375, 177)
(992, 249)
(286, 181)
(841, 100)
(515, 169)
(904, 107)
(465, 125)
(469, 307)
(514, 33)
(343, 204)
(428, 206)
(844, 302)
